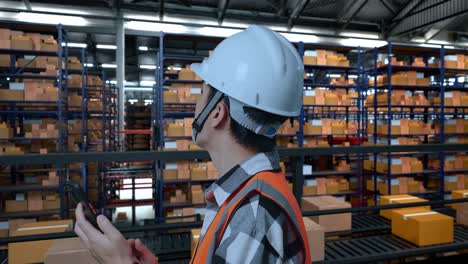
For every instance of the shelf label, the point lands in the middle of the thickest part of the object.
(16, 86)
(451, 122)
(420, 75)
(307, 169)
(171, 166)
(195, 90)
(316, 122)
(395, 142)
(396, 162)
(309, 93)
(311, 182)
(451, 178)
(394, 182)
(312, 53)
(170, 144)
(450, 158)
(395, 123)
(448, 95)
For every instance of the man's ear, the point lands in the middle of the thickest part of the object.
(220, 115)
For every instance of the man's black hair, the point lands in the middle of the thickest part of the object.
(246, 137)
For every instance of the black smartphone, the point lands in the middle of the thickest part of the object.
(80, 197)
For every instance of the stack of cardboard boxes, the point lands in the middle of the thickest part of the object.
(179, 128)
(399, 165)
(8, 148)
(456, 61)
(329, 185)
(399, 185)
(337, 97)
(20, 40)
(40, 90)
(325, 57)
(44, 128)
(404, 78)
(404, 127)
(327, 126)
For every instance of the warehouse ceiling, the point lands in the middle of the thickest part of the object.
(426, 21)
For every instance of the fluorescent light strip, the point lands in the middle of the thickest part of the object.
(89, 65)
(143, 48)
(147, 83)
(332, 75)
(102, 46)
(147, 67)
(108, 65)
(74, 45)
(51, 19)
(139, 89)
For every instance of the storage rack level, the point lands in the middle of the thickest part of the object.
(17, 113)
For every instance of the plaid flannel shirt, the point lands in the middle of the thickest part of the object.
(259, 231)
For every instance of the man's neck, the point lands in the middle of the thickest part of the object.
(229, 155)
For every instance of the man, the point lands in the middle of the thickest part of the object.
(253, 83)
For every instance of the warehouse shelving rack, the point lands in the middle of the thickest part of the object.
(320, 76)
(162, 110)
(16, 111)
(388, 111)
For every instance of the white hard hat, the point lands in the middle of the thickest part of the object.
(257, 67)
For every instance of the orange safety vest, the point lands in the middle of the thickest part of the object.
(271, 185)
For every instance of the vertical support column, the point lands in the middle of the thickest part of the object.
(120, 59)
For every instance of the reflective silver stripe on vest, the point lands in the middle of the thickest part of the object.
(257, 184)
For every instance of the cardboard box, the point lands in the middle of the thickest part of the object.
(36, 250)
(13, 206)
(22, 44)
(198, 197)
(422, 227)
(170, 97)
(332, 187)
(51, 205)
(316, 237)
(70, 251)
(170, 174)
(462, 214)
(11, 95)
(199, 173)
(458, 194)
(187, 74)
(49, 47)
(309, 190)
(14, 224)
(175, 130)
(35, 202)
(310, 60)
(399, 199)
(195, 236)
(330, 223)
